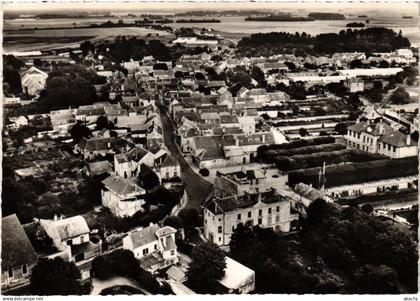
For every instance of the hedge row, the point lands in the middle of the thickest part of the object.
(294, 144)
(270, 155)
(360, 172)
(305, 161)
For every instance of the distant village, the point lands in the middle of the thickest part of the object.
(159, 162)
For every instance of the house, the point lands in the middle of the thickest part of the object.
(18, 257)
(70, 236)
(258, 95)
(33, 81)
(380, 138)
(238, 278)
(122, 196)
(266, 209)
(169, 169)
(153, 246)
(91, 148)
(128, 165)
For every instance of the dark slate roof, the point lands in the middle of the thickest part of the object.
(212, 154)
(170, 161)
(96, 144)
(209, 142)
(397, 139)
(220, 205)
(144, 236)
(227, 131)
(16, 249)
(388, 135)
(120, 185)
(228, 119)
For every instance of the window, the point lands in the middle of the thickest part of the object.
(259, 221)
(10, 273)
(269, 210)
(155, 246)
(394, 149)
(146, 251)
(220, 219)
(256, 181)
(24, 269)
(220, 239)
(260, 212)
(278, 209)
(172, 252)
(277, 219)
(233, 228)
(82, 239)
(69, 242)
(249, 214)
(175, 174)
(219, 229)
(239, 216)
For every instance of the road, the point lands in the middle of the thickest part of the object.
(197, 188)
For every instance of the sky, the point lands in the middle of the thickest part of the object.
(177, 6)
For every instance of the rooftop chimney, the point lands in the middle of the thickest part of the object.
(408, 139)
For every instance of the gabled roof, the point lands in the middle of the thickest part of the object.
(164, 231)
(209, 142)
(228, 119)
(138, 153)
(96, 144)
(143, 236)
(16, 249)
(66, 228)
(33, 70)
(211, 154)
(170, 160)
(228, 204)
(121, 186)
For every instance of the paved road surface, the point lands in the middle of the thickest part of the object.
(197, 188)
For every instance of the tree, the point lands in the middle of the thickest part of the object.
(147, 178)
(303, 132)
(341, 128)
(160, 66)
(206, 268)
(384, 64)
(86, 46)
(173, 221)
(78, 131)
(55, 277)
(368, 208)
(258, 75)
(400, 96)
(12, 78)
(102, 122)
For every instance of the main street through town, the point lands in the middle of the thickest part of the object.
(197, 188)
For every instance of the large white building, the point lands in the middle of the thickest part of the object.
(122, 196)
(153, 246)
(267, 210)
(380, 138)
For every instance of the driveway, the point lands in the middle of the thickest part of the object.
(197, 188)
